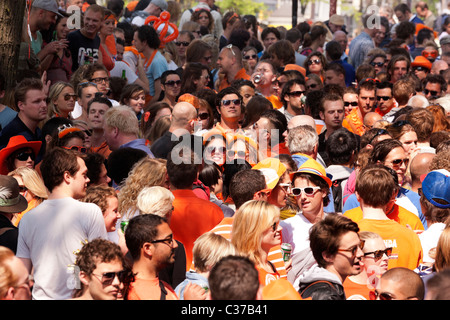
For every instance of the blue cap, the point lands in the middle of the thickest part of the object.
(436, 186)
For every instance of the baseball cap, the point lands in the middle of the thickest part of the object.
(421, 61)
(162, 4)
(49, 5)
(272, 169)
(436, 188)
(311, 166)
(11, 201)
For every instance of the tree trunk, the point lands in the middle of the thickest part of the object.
(11, 21)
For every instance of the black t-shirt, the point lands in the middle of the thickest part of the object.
(81, 46)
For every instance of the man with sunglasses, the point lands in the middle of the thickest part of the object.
(151, 244)
(230, 64)
(102, 271)
(399, 284)
(291, 96)
(385, 98)
(434, 86)
(59, 219)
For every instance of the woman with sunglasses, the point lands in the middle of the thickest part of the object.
(69, 137)
(256, 229)
(374, 264)
(311, 189)
(250, 59)
(61, 100)
(31, 187)
(315, 63)
(18, 153)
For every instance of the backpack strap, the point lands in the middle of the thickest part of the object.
(163, 291)
(314, 283)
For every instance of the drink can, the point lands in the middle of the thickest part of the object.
(257, 78)
(286, 248)
(123, 225)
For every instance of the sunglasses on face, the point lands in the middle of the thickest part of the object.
(353, 104)
(77, 148)
(311, 86)
(107, 278)
(309, 191)
(430, 54)
(203, 116)
(181, 43)
(373, 295)
(399, 162)
(296, 93)
(378, 254)
(377, 64)
(354, 249)
(23, 156)
(239, 154)
(421, 69)
(385, 98)
(433, 93)
(172, 83)
(216, 149)
(313, 61)
(253, 56)
(236, 102)
(68, 96)
(274, 227)
(100, 80)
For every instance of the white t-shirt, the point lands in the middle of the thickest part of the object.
(50, 235)
(296, 232)
(429, 239)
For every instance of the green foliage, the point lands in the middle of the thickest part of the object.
(242, 6)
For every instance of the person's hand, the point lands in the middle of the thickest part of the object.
(288, 265)
(46, 83)
(194, 292)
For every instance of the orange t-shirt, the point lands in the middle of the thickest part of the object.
(242, 74)
(406, 246)
(355, 291)
(399, 214)
(191, 218)
(275, 255)
(150, 290)
(266, 277)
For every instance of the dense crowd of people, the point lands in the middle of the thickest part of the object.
(156, 152)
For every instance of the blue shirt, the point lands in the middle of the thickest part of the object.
(359, 48)
(156, 69)
(138, 144)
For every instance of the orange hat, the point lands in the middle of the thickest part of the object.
(16, 143)
(295, 67)
(187, 97)
(272, 169)
(132, 5)
(421, 61)
(280, 289)
(313, 167)
(421, 26)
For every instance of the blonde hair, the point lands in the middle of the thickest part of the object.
(145, 173)
(7, 277)
(251, 220)
(155, 200)
(442, 260)
(99, 194)
(53, 95)
(122, 118)
(32, 181)
(209, 248)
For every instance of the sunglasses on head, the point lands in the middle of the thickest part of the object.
(107, 278)
(236, 102)
(313, 61)
(253, 56)
(181, 43)
(378, 254)
(77, 148)
(203, 116)
(353, 104)
(23, 156)
(379, 133)
(172, 83)
(385, 98)
(309, 191)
